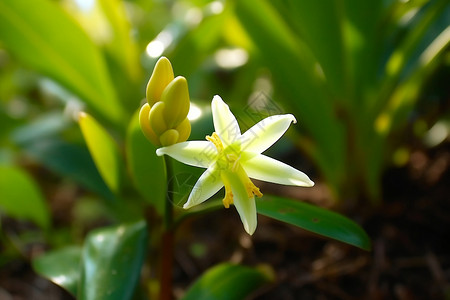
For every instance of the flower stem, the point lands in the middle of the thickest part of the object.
(167, 237)
(168, 211)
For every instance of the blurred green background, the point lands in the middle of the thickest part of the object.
(368, 81)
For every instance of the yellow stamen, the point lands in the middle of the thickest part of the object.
(252, 189)
(215, 139)
(228, 199)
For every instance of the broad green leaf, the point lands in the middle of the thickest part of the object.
(227, 282)
(146, 168)
(21, 198)
(61, 266)
(111, 262)
(41, 35)
(104, 151)
(314, 219)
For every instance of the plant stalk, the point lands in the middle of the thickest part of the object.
(167, 240)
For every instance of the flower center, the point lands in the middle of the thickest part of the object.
(228, 161)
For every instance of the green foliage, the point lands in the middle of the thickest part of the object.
(104, 151)
(111, 261)
(314, 219)
(147, 170)
(227, 282)
(21, 198)
(61, 267)
(106, 267)
(350, 71)
(75, 62)
(326, 59)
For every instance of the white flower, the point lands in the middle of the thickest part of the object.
(231, 158)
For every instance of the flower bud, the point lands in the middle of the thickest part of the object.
(162, 75)
(156, 117)
(184, 130)
(169, 137)
(164, 119)
(145, 124)
(176, 97)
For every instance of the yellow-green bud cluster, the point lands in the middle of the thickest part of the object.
(163, 118)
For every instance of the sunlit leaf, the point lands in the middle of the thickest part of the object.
(147, 169)
(104, 151)
(227, 282)
(402, 54)
(21, 198)
(111, 262)
(53, 44)
(409, 90)
(62, 267)
(121, 45)
(314, 219)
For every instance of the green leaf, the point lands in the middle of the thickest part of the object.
(146, 168)
(111, 262)
(302, 90)
(61, 266)
(407, 92)
(361, 28)
(314, 219)
(53, 44)
(104, 151)
(21, 198)
(227, 282)
(403, 53)
(53, 153)
(121, 46)
(319, 19)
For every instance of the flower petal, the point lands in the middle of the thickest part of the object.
(194, 153)
(264, 168)
(245, 206)
(206, 186)
(265, 133)
(225, 124)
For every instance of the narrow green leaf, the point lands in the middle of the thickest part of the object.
(361, 28)
(104, 151)
(121, 46)
(227, 282)
(314, 219)
(21, 198)
(146, 168)
(111, 262)
(403, 53)
(53, 44)
(300, 87)
(408, 91)
(319, 19)
(62, 267)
